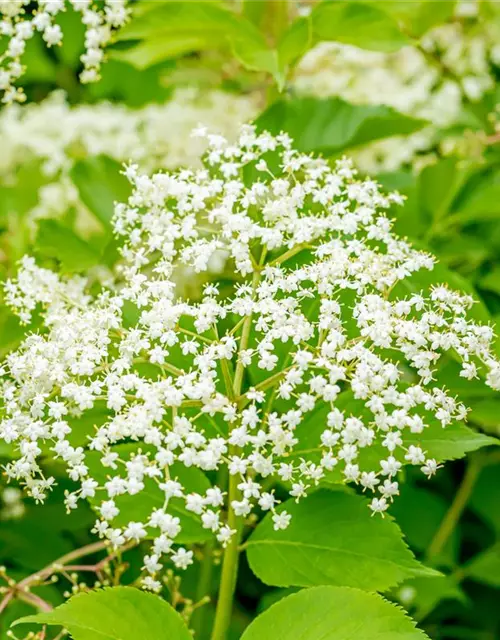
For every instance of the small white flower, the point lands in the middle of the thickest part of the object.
(281, 520)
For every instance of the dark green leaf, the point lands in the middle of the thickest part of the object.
(485, 567)
(486, 496)
(423, 595)
(439, 185)
(419, 513)
(100, 183)
(329, 126)
(57, 241)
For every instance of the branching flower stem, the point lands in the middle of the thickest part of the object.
(231, 554)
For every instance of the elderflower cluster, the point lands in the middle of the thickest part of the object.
(249, 378)
(454, 64)
(20, 21)
(56, 135)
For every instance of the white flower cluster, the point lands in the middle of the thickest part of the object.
(304, 315)
(156, 136)
(413, 83)
(20, 22)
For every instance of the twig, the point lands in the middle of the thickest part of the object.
(6, 599)
(22, 591)
(34, 601)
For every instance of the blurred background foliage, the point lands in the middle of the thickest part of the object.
(408, 89)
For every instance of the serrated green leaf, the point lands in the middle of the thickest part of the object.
(331, 125)
(332, 539)
(57, 241)
(363, 25)
(333, 613)
(118, 613)
(100, 184)
(450, 443)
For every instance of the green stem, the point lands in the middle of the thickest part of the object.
(456, 509)
(231, 554)
(229, 568)
(277, 19)
(271, 17)
(203, 589)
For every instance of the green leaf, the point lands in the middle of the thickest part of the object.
(138, 507)
(419, 513)
(166, 18)
(17, 199)
(57, 241)
(424, 279)
(481, 201)
(363, 25)
(418, 16)
(295, 41)
(333, 613)
(256, 56)
(40, 67)
(332, 539)
(491, 281)
(448, 443)
(486, 413)
(485, 567)
(157, 49)
(174, 28)
(19, 543)
(72, 46)
(332, 125)
(100, 183)
(119, 613)
(439, 184)
(121, 82)
(424, 594)
(485, 496)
